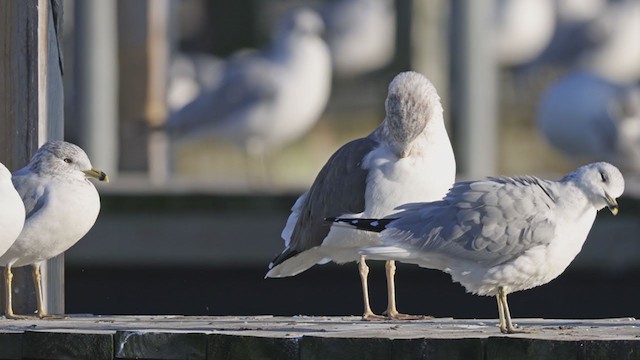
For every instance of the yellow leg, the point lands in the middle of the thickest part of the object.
(506, 326)
(501, 322)
(390, 269)
(364, 275)
(8, 299)
(8, 280)
(392, 311)
(37, 281)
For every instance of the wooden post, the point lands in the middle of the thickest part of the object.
(474, 88)
(158, 49)
(144, 27)
(430, 45)
(95, 97)
(31, 109)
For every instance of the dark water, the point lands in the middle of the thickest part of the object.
(335, 290)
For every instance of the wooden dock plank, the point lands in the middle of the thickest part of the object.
(306, 337)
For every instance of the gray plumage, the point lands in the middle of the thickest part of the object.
(61, 206)
(407, 158)
(267, 98)
(488, 222)
(331, 194)
(499, 235)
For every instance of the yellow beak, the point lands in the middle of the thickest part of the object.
(97, 174)
(612, 204)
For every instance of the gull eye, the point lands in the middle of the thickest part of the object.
(603, 177)
(68, 160)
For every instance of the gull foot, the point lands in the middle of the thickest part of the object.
(52, 317)
(19, 317)
(515, 330)
(373, 317)
(399, 316)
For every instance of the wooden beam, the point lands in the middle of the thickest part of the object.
(31, 109)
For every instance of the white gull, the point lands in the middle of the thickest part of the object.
(407, 158)
(500, 235)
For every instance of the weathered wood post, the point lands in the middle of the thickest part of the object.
(143, 27)
(31, 113)
(474, 88)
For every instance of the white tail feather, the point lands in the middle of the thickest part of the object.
(385, 253)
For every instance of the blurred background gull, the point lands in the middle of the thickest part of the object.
(264, 99)
(592, 111)
(528, 87)
(361, 35)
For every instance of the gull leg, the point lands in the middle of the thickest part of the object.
(392, 311)
(37, 280)
(501, 324)
(364, 274)
(506, 327)
(8, 296)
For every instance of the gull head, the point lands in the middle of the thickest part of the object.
(602, 183)
(60, 158)
(302, 20)
(411, 103)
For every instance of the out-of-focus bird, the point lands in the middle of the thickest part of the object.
(191, 74)
(61, 207)
(523, 29)
(616, 56)
(407, 158)
(11, 211)
(500, 235)
(268, 98)
(361, 35)
(596, 35)
(590, 118)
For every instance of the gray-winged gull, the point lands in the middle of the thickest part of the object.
(11, 211)
(523, 28)
(268, 98)
(590, 118)
(499, 235)
(61, 207)
(361, 35)
(407, 158)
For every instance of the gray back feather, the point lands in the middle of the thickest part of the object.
(489, 221)
(33, 194)
(338, 189)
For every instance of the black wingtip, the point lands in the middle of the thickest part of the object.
(284, 256)
(374, 225)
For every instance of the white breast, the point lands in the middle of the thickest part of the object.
(70, 212)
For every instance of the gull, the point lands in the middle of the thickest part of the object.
(361, 35)
(61, 207)
(595, 35)
(265, 99)
(589, 117)
(500, 235)
(407, 158)
(523, 28)
(11, 211)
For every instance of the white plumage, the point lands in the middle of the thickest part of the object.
(407, 158)
(61, 207)
(500, 235)
(11, 211)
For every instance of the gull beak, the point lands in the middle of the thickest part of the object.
(97, 174)
(612, 204)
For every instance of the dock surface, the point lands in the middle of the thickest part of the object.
(306, 337)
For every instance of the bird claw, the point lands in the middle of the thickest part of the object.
(399, 316)
(373, 317)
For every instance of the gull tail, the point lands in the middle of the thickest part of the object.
(291, 263)
(374, 225)
(385, 253)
